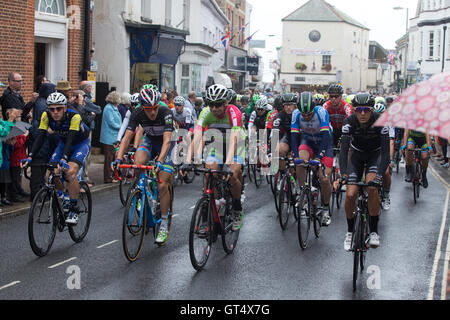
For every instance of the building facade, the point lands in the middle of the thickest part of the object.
(429, 40)
(50, 38)
(322, 45)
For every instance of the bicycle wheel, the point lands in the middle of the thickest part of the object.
(200, 234)
(277, 187)
(356, 248)
(249, 172)
(257, 175)
(284, 202)
(229, 237)
(317, 217)
(339, 196)
(42, 223)
(303, 208)
(333, 192)
(124, 186)
(80, 230)
(365, 235)
(134, 225)
(189, 177)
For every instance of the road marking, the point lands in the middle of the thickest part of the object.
(437, 255)
(192, 207)
(439, 178)
(107, 244)
(61, 263)
(9, 285)
(445, 275)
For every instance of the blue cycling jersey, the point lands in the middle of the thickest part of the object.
(312, 130)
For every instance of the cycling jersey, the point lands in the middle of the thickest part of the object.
(417, 134)
(338, 115)
(365, 139)
(258, 121)
(184, 119)
(282, 122)
(154, 129)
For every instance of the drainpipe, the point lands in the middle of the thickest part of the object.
(87, 39)
(443, 52)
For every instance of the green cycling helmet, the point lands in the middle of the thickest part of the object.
(306, 103)
(256, 97)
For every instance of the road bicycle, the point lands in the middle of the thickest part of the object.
(127, 178)
(212, 216)
(142, 211)
(337, 190)
(287, 193)
(307, 206)
(47, 214)
(417, 177)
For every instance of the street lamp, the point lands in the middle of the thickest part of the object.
(407, 42)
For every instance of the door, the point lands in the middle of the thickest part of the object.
(39, 61)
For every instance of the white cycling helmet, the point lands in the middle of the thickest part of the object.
(216, 93)
(135, 98)
(379, 107)
(262, 103)
(149, 97)
(57, 98)
(179, 101)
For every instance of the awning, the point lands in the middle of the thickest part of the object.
(223, 79)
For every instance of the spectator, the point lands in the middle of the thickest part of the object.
(164, 97)
(86, 86)
(190, 101)
(198, 106)
(6, 126)
(170, 97)
(125, 104)
(5, 175)
(111, 123)
(11, 97)
(64, 87)
(40, 80)
(19, 153)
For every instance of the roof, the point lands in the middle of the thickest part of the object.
(320, 10)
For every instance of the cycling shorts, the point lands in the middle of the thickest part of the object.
(78, 152)
(313, 149)
(359, 161)
(154, 149)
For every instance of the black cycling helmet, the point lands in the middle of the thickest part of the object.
(278, 103)
(390, 99)
(335, 88)
(245, 100)
(231, 96)
(306, 102)
(289, 98)
(363, 99)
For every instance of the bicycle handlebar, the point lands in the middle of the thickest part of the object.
(312, 163)
(136, 166)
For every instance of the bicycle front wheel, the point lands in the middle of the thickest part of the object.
(124, 186)
(200, 234)
(134, 226)
(229, 237)
(79, 231)
(284, 202)
(42, 223)
(356, 247)
(303, 208)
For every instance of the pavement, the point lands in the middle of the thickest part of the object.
(95, 175)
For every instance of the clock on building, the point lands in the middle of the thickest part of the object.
(314, 36)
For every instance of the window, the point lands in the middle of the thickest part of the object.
(326, 60)
(146, 13)
(438, 53)
(186, 14)
(431, 45)
(421, 45)
(167, 77)
(190, 78)
(56, 7)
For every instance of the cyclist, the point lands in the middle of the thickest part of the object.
(411, 139)
(338, 110)
(380, 107)
(320, 99)
(73, 147)
(282, 124)
(316, 143)
(220, 117)
(245, 102)
(370, 150)
(271, 116)
(157, 123)
(259, 116)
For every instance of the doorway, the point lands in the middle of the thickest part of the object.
(39, 61)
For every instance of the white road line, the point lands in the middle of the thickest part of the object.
(107, 244)
(192, 207)
(9, 285)
(175, 215)
(61, 263)
(437, 255)
(445, 272)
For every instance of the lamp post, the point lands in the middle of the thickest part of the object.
(407, 43)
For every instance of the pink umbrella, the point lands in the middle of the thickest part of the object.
(423, 107)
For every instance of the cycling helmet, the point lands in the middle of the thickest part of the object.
(350, 99)
(238, 98)
(179, 101)
(278, 103)
(390, 99)
(231, 96)
(306, 102)
(335, 88)
(320, 99)
(380, 105)
(270, 101)
(262, 103)
(216, 93)
(149, 97)
(363, 99)
(57, 98)
(256, 97)
(149, 86)
(245, 100)
(289, 98)
(135, 98)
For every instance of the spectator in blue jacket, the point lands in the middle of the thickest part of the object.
(111, 124)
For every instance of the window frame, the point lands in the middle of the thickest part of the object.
(62, 11)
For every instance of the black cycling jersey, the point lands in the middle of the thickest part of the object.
(283, 123)
(154, 129)
(365, 139)
(260, 121)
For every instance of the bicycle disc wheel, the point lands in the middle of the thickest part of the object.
(200, 234)
(303, 208)
(42, 223)
(229, 237)
(284, 202)
(134, 225)
(80, 230)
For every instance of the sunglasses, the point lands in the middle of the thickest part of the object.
(363, 109)
(57, 109)
(334, 97)
(151, 108)
(216, 105)
(260, 109)
(307, 114)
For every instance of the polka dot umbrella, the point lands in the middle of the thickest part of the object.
(423, 107)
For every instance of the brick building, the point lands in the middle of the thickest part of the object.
(45, 37)
(235, 12)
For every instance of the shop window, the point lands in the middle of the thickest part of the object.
(144, 73)
(167, 77)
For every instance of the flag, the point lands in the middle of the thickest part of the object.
(249, 38)
(391, 57)
(244, 27)
(226, 40)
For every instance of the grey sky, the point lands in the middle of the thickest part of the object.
(386, 25)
